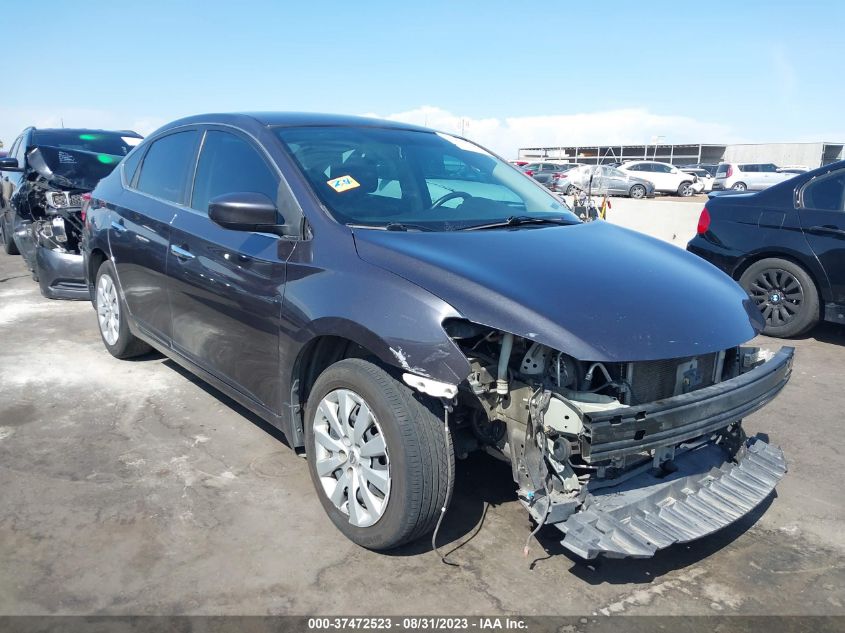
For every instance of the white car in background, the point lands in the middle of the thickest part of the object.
(748, 176)
(665, 177)
(705, 180)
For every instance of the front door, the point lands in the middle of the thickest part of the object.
(822, 216)
(226, 286)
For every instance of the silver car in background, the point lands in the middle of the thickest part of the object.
(605, 180)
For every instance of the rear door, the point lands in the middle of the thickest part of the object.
(822, 213)
(140, 230)
(226, 286)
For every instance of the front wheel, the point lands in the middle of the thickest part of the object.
(637, 191)
(785, 294)
(377, 455)
(685, 189)
(111, 316)
(7, 239)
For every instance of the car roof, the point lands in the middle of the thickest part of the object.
(292, 119)
(84, 130)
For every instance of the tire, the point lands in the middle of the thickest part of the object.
(740, 186)
(570, 190)
(685, 189)
(637, 192)
(9, 246)
(111, 317)
(785, 294)
(416, 457)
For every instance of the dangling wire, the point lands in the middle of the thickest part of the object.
(446, 408)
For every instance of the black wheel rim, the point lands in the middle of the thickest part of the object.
(778, 295)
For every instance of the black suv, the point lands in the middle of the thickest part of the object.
(44, 179)
(392, 298)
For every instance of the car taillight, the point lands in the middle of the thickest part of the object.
(559, 175)
(704, 221)
(528, 172)
(86, 200)
(730, 172)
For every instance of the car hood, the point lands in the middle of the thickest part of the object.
(595, 291)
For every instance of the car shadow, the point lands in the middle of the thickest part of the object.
(481, 482)
(833, 333)
(223, 398)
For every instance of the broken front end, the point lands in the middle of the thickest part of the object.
(49, 227)
(623, 458)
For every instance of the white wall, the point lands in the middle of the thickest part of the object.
(673, 222)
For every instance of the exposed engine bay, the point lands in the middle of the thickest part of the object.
(620, 456)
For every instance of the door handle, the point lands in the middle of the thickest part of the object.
(118, 226)
(181, 253)
(827, 229)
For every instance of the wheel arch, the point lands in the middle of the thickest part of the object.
(93, 262)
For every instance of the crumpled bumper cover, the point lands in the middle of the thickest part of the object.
(647, 513)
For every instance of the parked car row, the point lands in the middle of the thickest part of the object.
(392, 298)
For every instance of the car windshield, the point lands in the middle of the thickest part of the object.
(414, 179)
(113, 143)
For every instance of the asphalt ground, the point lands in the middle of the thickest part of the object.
(130, 487)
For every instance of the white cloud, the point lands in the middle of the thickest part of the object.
(623, 126)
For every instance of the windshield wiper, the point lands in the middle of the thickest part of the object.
(518, 220)
(391, 226)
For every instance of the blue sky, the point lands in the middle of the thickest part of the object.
(513, 73)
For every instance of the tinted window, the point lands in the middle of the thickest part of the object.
(768, 167)
(826, 193)
(130, 166)
(640, 167)
(722, 170)
(229, 164)
(749, 168)
(166, 166)
(665, 169)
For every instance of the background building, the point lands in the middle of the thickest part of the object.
(809, 155)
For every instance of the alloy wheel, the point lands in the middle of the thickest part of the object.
(778, 295)
(108, 309)
(351, 457)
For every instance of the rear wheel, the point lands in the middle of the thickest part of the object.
(785, 294)
(377, 456)
(637, 191)
(739, 186)
(111, 317)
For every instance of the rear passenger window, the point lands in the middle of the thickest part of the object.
(165, 169)
(229, 164)
(826, 193)
(749, 168)
(130, 166)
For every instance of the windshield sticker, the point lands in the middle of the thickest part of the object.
(343, 183)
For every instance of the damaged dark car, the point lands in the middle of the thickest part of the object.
(46, 178)
(394, 298)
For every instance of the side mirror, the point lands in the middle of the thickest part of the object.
(9, 164)
(245, 211)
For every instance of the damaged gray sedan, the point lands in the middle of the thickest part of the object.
(393, 298)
